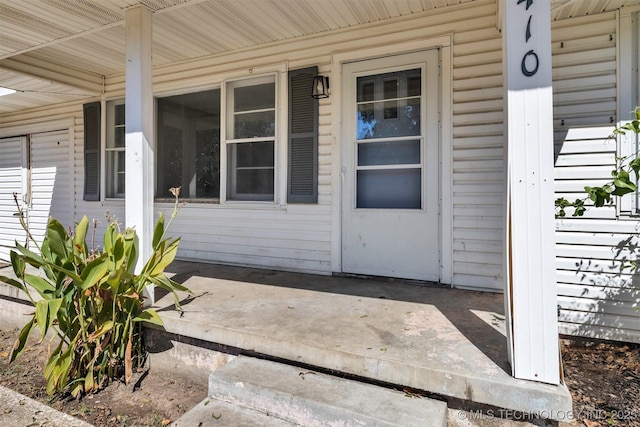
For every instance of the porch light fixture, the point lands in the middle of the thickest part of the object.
(320, 87)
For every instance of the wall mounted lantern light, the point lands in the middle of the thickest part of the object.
(320, 87)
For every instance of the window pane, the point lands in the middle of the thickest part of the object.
(366, 90)
(169, 154)
(115, 173)
(256, 97)
(389, 153)
(119, 115)
(389, 104)
(389, 189)
(255, 181)
(389, 119)
(390, 88)
(251, 171)
(414, 84)
(254, 125)
(254, 154)
(118, 137)
(188, 147)
(208, 163)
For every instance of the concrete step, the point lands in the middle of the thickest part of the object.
(211, 412)
(309, 398)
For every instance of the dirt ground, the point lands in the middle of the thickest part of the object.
(161, 398)
(604, 380)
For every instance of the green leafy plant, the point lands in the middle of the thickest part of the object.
(624, 181)
(624, 178)
(91, 299)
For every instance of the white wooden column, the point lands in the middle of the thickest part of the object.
(530, 238)
(139, 130)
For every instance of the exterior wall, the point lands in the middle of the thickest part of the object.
(298, 237)
(597, 298)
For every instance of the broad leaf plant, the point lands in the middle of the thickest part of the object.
(91, 300)
(624, 181)
(624, 178)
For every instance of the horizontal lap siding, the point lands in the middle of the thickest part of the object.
(596, 294)
(293, 239)
(478, 156)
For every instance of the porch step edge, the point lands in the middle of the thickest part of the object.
(311, 398)
(215, 412)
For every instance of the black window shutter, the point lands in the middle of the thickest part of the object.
(92, 151)
(303, 138)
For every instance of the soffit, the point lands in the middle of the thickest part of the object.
(88, 36)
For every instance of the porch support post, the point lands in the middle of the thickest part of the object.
(530, 239)
(139, 131)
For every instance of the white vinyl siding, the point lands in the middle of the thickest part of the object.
(478, 155)
(11, 177)
(597, 297)
(52, 190)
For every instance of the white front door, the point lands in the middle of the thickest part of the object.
(390, 157)
(12, 180)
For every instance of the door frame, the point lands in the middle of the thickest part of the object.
(338, 59)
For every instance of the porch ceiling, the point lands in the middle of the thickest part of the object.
(68, 47)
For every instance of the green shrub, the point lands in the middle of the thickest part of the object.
(92, 300)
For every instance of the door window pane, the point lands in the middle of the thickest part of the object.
(388, 109)
(388, 105)
(389, 153)
(389, 188)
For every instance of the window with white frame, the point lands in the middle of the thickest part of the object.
(250, 139)
(114, 149)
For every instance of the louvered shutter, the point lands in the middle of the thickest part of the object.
(92, 151)
(303, 138)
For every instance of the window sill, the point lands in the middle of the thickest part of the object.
(231, 204)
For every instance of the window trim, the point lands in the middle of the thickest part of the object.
(628, 65)
(279, 76)
(104, 149)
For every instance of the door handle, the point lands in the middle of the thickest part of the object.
(343, 172)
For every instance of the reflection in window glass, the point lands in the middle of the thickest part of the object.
(389, 104)
(254, 125)
(188, 145)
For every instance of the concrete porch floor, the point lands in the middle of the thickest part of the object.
(444, 341)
